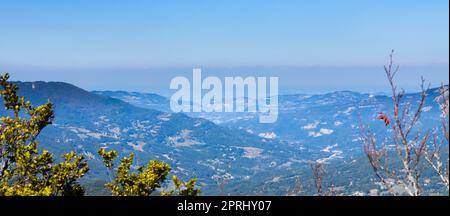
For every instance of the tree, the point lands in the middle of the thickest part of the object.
(146, 180)
(24, 171)
(411, 144)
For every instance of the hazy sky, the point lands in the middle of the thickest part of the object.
(332, 43)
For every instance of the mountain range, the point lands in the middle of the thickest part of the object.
(229, 153)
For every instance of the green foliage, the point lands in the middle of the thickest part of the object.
(23, 170)
(145, 180)
(183, 188)
(108, 157)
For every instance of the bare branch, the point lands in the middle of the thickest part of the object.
(410, 149)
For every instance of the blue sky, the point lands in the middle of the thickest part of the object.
(82, 41)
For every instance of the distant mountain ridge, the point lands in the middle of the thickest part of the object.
(322, 127)
(143, 100)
